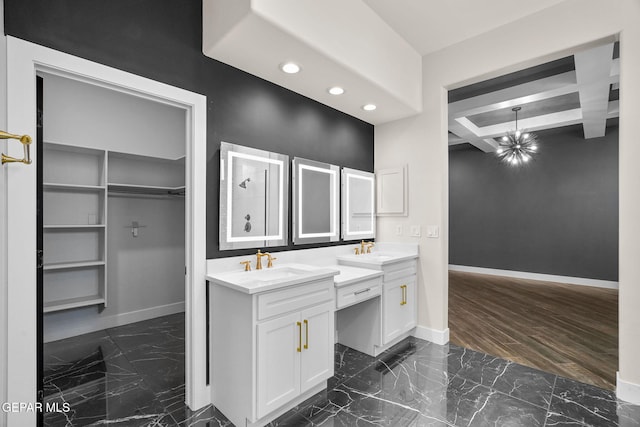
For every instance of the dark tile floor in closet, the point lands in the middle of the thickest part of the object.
(134, 376)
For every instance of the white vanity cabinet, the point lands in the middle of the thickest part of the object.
(398, 302)
(270, 348)
(293, 355)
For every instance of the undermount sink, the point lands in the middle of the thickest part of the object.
(376, 258)
(270, 278)
(265, 275)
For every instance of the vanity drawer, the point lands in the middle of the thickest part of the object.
(400, 269)
(357, 292)
(294, 298)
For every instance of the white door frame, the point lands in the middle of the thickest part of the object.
(24, 59)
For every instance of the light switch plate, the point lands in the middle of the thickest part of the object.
(415, 231)
(433, 231)
(399, 230)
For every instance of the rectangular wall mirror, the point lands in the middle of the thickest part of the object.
(315, 202)
(358, 205)
(254, 187)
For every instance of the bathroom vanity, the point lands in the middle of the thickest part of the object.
(273, 330)
(272, 339)
(375, 324)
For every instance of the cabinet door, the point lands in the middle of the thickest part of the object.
(278, 376)
(318, 333)
(399, 312)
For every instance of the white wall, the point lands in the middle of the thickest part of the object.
(3, 216)
(145, 274)
(422, 143)
(115, 121)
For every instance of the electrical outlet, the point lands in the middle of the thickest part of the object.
(415, 231)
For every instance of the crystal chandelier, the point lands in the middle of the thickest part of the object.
(517, 147)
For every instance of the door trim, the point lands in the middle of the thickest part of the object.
(24, 59)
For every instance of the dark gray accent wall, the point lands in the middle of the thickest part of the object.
(162, 40)
(558, 215)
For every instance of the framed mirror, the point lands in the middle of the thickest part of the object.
(358, 205)
(316, 202)
(254, 187)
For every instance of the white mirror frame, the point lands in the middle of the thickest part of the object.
(349, 210)
(299, 189)
(229, 154)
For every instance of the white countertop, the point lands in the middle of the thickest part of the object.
(349, 275)
(376, 259)
(268, 279)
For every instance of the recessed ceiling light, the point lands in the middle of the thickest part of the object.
(290, 67)
(336, 90)
(369, 107)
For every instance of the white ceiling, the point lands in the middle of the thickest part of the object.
(433, 25)
(374, 49)
(354, 49)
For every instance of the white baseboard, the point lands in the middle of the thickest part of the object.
(97, 323)
(537, 276)
(629, 392)
(434, 335)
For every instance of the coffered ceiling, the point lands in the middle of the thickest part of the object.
(580, 89)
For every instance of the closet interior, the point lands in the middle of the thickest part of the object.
(113, 198)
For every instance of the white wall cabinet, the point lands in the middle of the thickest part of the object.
(270, 350)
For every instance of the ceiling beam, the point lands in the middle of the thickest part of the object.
(593, 71)
(487, 145)
(549, 87)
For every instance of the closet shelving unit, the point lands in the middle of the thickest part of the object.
(75, 223)
(77, 183)
(145, 175)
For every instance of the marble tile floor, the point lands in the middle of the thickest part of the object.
(134, 376)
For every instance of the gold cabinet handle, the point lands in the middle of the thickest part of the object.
(26, 143)
(299, 349)
(306, 334)
(404, 294)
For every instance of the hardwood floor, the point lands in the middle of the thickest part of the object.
(568, 330)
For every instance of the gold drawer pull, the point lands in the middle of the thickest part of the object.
(299, 349)
(404, 294)
(306, 329)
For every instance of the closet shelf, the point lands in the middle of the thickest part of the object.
(145, 189)
(72, 226)
(71, 187)
(66, 304)
(72, 265)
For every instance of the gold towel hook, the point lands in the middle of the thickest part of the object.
(26, 142)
